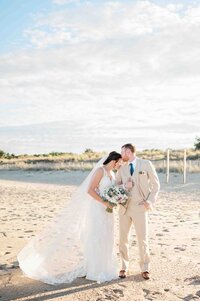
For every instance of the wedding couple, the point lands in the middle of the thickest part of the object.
(79, 242)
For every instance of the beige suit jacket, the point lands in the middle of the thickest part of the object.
(146, 184)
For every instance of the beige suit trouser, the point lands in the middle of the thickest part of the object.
(140, 220)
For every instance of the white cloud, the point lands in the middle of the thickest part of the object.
(42, 39)
(119, 68)
(109, 20)
(62, 2)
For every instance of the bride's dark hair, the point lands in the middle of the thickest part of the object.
(112, 156)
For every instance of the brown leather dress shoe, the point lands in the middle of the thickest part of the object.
(146, 275)
(122, 274)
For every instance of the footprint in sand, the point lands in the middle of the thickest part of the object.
(166, 230)
(147, 292)
(190, 297)
(12, 266)
(180, 248)
(147, 295)
(195, 280)
(123, 285)
(162, 244)
(150, 295)
(6, 253)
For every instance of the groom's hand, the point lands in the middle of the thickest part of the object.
(146, 204)
(129, 184)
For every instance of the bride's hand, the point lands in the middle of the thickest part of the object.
(109, 205)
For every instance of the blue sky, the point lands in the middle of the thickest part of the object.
(15, 17)
(18, 15)
(121, 70)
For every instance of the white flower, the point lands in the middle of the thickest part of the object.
(115, 195)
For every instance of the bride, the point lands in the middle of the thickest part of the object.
(79, 242)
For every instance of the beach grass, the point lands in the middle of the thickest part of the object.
(87, 160)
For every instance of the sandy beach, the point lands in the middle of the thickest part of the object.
(28, 199)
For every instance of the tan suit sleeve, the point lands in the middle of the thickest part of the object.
(153, 183)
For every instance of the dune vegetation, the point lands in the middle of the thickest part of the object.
(87, 159)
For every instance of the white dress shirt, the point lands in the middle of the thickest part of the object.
(134, 162)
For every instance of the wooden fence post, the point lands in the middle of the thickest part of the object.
(184, 167)
(167, 167)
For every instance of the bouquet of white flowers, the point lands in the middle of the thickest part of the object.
(115, 195)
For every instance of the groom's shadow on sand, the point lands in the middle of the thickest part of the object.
(31, 289)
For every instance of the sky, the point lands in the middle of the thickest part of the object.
(98, 74)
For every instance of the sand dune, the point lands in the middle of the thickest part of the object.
(29, 200)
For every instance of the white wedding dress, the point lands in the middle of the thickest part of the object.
(78, 242)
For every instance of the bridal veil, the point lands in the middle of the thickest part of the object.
(59, 246)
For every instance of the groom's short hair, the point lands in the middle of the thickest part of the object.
(130, 146)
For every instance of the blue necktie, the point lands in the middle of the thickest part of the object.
(131, 169)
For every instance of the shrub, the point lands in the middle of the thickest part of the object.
(197, 143)
(2, 154)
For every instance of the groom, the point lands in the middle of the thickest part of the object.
(139, 178)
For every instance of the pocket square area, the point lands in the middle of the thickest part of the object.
(142, 172)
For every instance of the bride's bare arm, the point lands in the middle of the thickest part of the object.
(94, 185)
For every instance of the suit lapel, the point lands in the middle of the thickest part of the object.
(127, 170)
(138, 180)
(137, 168)
(137, 177)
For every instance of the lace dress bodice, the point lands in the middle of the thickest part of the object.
(106, 181)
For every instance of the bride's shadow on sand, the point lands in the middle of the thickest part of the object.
(33, 290)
